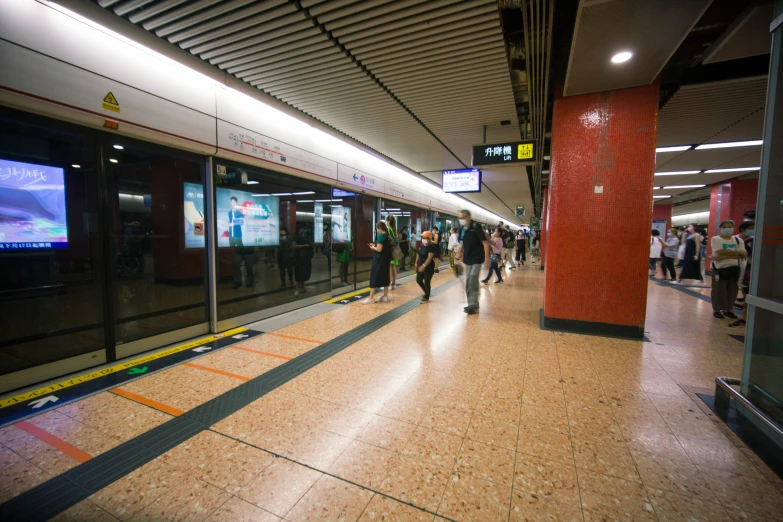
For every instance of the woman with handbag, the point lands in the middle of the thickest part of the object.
(728, 253)
(381, 264)
(495, 257)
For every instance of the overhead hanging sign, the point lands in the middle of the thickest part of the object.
(466, 180)
(502, 153)
(520, 211)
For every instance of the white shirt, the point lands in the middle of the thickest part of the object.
(454, 241)
(655, 247)
(717, 243)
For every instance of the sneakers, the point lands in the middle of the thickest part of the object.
(470, 310)
(675, 282)
(499, 282)
(484, 281)
(735, 324)
(717, 315)
(368, 301)
(729, 314)
(425, 299)
(345, 283)
(383, 299)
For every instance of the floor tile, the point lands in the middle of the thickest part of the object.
(330, 499)
(387, 433)
(615, 498)
(608, 458)
(527, 506)
(237, 510)
(82, 512)
(363, 464)
(552, 445)
(670, 507)
(236, 467)
(488, 462)
(471, 498)
(494, 431)
(433, 446)
(416, 482)
(672, 475)
(385, 509)
(547, 479)
(189, 499)
(745, 493)
(279, 487)
(198, 451)
(137, 490)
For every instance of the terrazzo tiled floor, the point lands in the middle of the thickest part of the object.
(435, 416)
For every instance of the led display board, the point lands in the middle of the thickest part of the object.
(459, 181)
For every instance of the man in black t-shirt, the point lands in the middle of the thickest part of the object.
(425, 264)
(474, 252)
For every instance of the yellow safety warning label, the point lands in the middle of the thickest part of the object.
(110, 103)
(113, 369)
(525, 151)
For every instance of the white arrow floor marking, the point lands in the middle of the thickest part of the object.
(239, 336)
(37, 403)
(202, 349)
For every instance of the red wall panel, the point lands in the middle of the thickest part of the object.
(663, 212)
(598, 238)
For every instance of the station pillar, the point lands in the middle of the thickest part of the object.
(542, 228)
(599, 212)
(661, 212)
(730, 200)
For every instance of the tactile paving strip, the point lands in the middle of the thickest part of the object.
(60, 493)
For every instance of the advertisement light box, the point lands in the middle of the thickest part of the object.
(458, 181)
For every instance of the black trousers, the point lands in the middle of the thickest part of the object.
(287, 270)
(424, 280)
(668, 265)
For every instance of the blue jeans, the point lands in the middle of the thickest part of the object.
(493, 267)
(472, 284)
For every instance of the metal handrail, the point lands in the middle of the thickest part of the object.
(725, 383)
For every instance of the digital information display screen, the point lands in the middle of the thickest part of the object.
(341, 224)
(339, 193)
(32, 207)
(243, 218)
(466, 180)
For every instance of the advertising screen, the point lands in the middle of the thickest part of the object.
(32, 207)
(194, 215)
(318, 227)
(466, 180)
(246, 219)
(341, 224)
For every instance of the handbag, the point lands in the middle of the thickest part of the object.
(396, 252)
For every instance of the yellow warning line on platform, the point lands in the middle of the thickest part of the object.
(113, 369)
(346, 296)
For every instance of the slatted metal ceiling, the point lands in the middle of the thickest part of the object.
(416, 80)
(713, 112)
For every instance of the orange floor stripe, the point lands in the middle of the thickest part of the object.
(56, 442)
(219, 372)
(279, 356)
(147, 402)
(295, 338)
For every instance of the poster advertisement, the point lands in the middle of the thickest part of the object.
(246, 219)
(193, 208)
(418, 229)
(318, 232)
(32, 206)
(660, 226)
(341, 224)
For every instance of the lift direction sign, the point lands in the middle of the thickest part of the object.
(110, 103)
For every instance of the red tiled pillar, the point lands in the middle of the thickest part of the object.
(542, 232)
(661, 212)
(730, 200)
(600, 211)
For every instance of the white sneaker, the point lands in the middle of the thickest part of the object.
(676, 283)
(383, 299)
(296, 294)
(368, 301)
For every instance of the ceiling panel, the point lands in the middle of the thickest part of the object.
(420, 81)
(650, 29)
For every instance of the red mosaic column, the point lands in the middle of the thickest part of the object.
(542, 226)
(661, 212)
(600, 211)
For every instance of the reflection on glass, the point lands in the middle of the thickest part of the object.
(765, 388)
(159, 283)
(274, 239)
(51, 302)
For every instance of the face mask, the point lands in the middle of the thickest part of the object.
(750, 233)
(727, 231)
(669, 235)
(463, 222)
(425, 241)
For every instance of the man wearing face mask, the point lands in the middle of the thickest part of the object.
(747, 233)
(728, 253)
(425, 265)
(670, 246)
(474, 252)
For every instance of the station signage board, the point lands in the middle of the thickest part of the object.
(460, 181)
(520, 211)
(504, 153)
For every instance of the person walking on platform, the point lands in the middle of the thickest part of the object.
(747, 233)
(391, 226)
(381, 263)
(521, 241)
(656, 246)
(509, 243)
(474, 252)
(728, 254)
(436, 244)
(425, 265)
(670, 246)
(495, 258)
(405, 246)
(453, 246)
(691, 261)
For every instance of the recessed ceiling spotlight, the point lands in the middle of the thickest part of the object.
(113, 160)
(76, 166)
(621, 57)
(119, 147)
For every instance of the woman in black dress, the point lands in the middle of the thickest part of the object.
(381, 263)
(691, 263)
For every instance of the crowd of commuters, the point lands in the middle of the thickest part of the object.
(729, 262)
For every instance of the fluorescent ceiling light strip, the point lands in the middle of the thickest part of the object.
(677, 173)
(283, 194)
(674, 187)
(730, 144)
(661, 197)
(303, 193)
(677, 148)
(740, 169)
